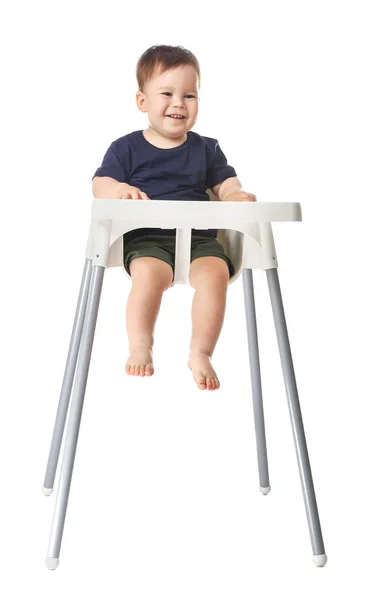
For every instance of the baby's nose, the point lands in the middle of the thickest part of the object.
(177, 101)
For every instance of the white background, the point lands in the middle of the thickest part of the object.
(165, 499)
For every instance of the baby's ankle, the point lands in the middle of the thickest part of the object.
(141, 341)
(200, 350)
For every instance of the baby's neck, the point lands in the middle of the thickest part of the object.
(160, 141)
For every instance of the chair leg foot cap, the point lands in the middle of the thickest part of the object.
(265, 490)
(320, 559)
(51, 563)
(47, 491)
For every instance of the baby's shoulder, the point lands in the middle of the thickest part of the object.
(202, 138)
(127, 139)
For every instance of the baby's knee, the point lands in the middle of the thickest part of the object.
(151, 271)
(209, 271)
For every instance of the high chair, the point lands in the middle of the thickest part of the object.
(246, 235)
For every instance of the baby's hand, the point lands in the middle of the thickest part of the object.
(131, 192)
(240, 197)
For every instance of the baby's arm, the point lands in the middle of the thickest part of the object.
(107, 187)
(231, 190)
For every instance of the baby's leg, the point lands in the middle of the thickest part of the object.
(150, 277)
(209, 275)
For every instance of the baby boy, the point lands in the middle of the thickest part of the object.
(169, 161)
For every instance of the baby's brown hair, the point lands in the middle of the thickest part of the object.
(163, 58)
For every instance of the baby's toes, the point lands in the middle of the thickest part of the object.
(202, 382)
(214, 383)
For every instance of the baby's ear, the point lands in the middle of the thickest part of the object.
(140, 101)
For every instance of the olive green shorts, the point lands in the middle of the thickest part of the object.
(163, 247)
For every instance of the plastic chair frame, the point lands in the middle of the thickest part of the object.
(246, 235)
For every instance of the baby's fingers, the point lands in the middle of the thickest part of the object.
(133, 193)
(137, 194)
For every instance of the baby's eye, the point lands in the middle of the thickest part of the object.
(190, 95)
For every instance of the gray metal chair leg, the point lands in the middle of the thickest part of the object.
(259, 421)
(82, 371)
(319, 556)
(69, 374)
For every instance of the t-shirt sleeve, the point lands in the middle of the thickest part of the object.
(115, 164)
(218, 169)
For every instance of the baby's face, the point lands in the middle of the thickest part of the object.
(173, 92)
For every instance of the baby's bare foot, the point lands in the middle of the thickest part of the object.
(203, 372)
(140, 362)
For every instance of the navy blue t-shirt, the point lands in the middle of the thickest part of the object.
(181, 173)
